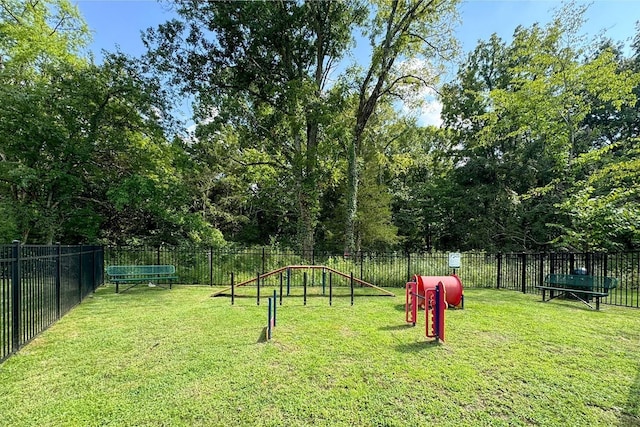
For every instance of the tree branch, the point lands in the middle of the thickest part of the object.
(6, 8)
(266, 163)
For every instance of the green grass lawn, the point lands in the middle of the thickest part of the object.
(153, 357)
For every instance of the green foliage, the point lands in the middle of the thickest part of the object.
(539, 147)
(603, 209)
(401, 34)
(531, 119)
(37, 34)
(266, 87)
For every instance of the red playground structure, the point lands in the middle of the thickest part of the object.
(433, 294)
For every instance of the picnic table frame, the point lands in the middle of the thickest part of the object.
(580, 286)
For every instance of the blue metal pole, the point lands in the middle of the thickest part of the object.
(305, 288)
(258, 294)
(269, 321)
(352, 288)
(274, 308)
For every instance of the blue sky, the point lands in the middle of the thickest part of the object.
(120, 22)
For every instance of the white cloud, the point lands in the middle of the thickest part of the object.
(431, 113)
(417, 98)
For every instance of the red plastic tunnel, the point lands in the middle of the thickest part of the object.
(452, 286)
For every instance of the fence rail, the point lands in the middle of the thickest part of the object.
(515, 271)
(39, 285)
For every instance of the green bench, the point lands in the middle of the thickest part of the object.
(580, 286)
(136, 274)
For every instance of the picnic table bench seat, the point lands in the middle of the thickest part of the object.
(580, 286)
(136, 274)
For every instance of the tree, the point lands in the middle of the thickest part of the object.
(36, 37)
(37, 33)
(519, 112)
(400, 30)
(262, 68)
(86, 149)
(602, 205)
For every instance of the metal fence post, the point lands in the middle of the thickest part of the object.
(93, 269)
(499, 267)
(58, 279)
(80, 276)
(524, 273)
(572, 263)
(233, 294)
(15, 296)
(408, 266)
(210, 266)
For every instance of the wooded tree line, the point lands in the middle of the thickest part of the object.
(299, 141)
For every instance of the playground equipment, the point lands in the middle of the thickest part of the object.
(434, 294)
(271, 316)
(434, 302)
(452, 285)
(285, 274)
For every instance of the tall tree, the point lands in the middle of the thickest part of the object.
(521, 124)
(262, 67)
(400, 31)
(602, 204)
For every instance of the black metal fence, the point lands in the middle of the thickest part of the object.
(39, 284)
(515, 271)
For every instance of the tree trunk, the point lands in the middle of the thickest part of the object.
(308, 192)
(352, 198)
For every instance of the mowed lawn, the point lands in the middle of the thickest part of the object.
(153, 357)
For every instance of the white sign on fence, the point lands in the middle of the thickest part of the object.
(454, 259)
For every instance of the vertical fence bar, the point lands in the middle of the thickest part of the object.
(499, 272)
(280, 288)
(524, 273)
(288, 281)
(15, 296)
(330, 288)
(210, 266)
(233, 288)
(80, 276)
(572, 263)
(324, 279)
(58, 279)
(605, 270)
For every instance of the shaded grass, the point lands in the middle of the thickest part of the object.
(156, 357)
